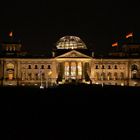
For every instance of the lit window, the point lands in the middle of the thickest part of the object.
(66, 69)
(10, 76)
(10, 66)
(73, 69)
(79, 69)
(109, 76)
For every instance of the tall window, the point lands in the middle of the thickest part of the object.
(103, 67)
(73, 69)
(36, 67)
(66, 69)
(29, 66)
(102, 76)
(42, 66)
(96, 67)
(109, 67)
(10, 76)
(134, 67)
(115, 67)
(79, 68)
(49, 67)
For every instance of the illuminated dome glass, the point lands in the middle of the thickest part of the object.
(70, 42)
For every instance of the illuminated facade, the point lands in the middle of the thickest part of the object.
(69, 63)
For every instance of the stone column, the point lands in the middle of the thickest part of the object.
(63, 69)
(83, 75)
(18, 72)
(76, 70)
(69, 69)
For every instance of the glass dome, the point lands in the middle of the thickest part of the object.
(70, 42)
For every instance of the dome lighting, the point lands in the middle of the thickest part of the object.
(70, 42)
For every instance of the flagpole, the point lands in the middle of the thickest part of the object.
(41, 86)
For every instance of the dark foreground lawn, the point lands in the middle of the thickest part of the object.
(80, 112)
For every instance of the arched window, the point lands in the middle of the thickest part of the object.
(134, 71)
(103, 67)
(49, 67)
(96, 67)
(115, 67)
(42, 66)
(36, 67)
(29, 66)
(29, 76)
(134, 67)
(109, 67)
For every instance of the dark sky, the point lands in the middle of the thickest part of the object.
(40, 24)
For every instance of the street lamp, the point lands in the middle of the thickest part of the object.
(41, 85)
(48, 77)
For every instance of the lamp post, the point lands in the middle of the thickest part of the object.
(48, 78)
(41, 85)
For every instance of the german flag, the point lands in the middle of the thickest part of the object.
(115, 44)
(11, 34)
(129, 35)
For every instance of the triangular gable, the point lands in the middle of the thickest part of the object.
(73, 54)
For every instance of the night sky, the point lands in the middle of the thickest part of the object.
(39, 25)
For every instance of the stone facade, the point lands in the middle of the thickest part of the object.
(72, 66)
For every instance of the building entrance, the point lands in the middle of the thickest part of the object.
(72, 70)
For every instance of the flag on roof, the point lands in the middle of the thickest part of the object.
(129, 35)
(11, 34)
(115, 44)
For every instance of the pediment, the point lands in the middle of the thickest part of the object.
(73, 54)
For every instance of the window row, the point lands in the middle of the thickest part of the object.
(106, 67)
(36, 76)
(37, 67)
(109, 76)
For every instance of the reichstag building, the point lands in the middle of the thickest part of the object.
(71, 61)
